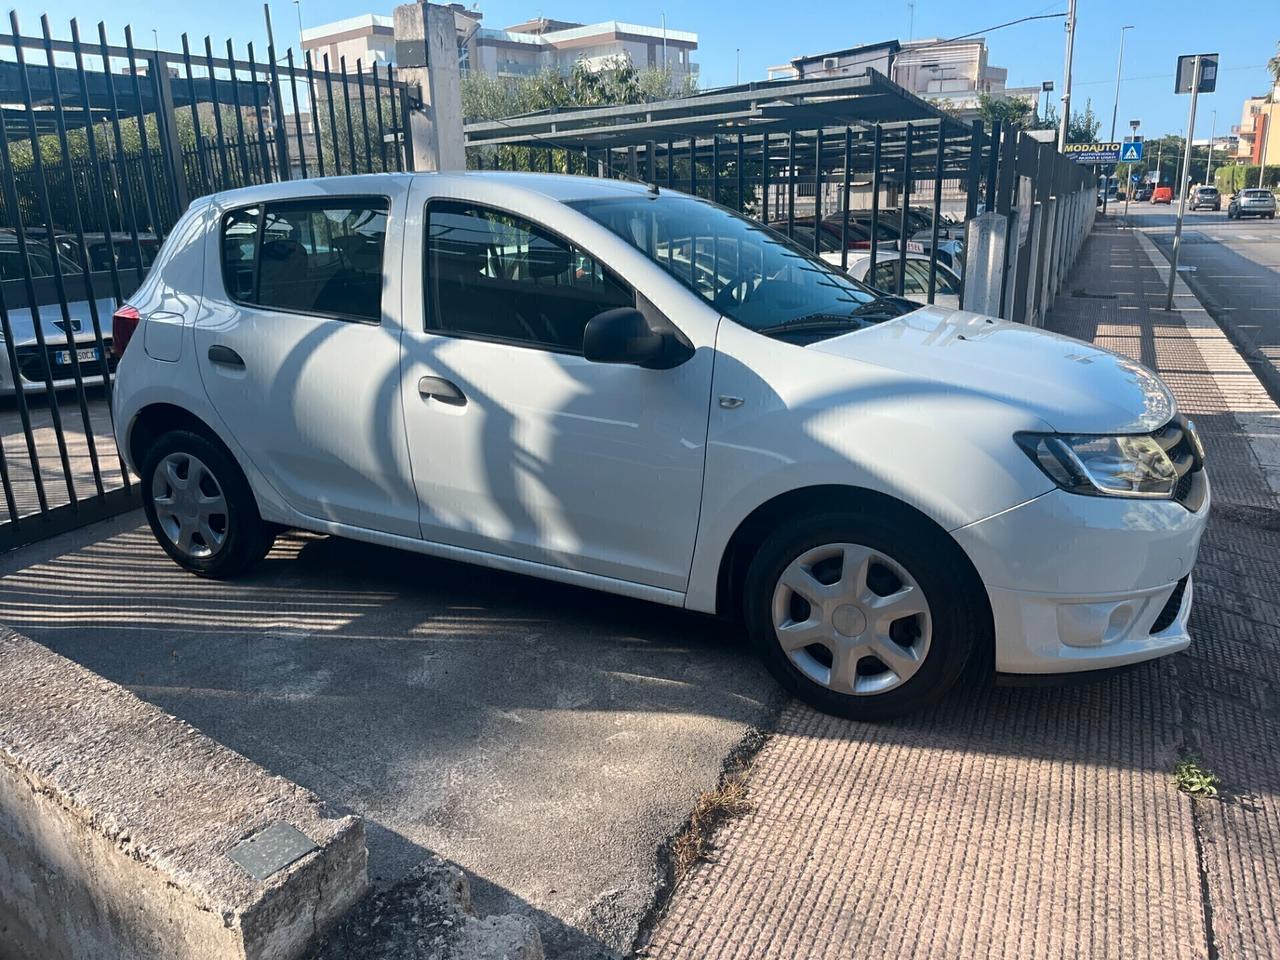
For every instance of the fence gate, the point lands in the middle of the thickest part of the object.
(103, 145)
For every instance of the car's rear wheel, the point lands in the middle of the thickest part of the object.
(863, 617)
(201, 508)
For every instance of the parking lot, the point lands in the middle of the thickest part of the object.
(48, 454)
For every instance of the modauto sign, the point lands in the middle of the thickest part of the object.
(1094, 152)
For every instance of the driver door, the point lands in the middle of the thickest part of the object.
(520, 446)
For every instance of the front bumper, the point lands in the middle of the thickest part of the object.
(1086, 583)
(33, 362)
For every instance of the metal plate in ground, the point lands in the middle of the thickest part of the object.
(271, 850)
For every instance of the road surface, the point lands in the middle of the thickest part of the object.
(1236, 277)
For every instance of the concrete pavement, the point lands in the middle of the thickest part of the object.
(1041, 823)
(547, 739)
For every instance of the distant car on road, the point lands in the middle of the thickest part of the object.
(1206, 198)
(1252, 203)
(1142, 194)
(1162, 195)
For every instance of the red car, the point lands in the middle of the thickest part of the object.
(1162, 195)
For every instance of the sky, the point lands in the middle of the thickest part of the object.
(751, 35)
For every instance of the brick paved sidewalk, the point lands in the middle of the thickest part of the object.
(1043, 823)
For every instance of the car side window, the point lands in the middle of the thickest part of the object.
(886, 276)
(492, 275)
(321, 257)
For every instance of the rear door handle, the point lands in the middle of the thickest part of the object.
(225, 356)
(446, 391)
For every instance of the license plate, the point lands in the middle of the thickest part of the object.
(63, 357)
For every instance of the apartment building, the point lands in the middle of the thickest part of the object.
(518, 50)
(953, 70)
(1259, 130)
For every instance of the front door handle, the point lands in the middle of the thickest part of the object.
(446, 391)
(225, 356)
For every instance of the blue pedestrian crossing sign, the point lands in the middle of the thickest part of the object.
(1131, 151)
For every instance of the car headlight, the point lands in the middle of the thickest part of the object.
(1120, 466)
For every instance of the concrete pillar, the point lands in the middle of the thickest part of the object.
(985, 239)
(427, 59)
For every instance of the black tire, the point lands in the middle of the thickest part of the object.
(240, 536)
(958, 610)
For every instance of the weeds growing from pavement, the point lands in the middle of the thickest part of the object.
(1195, 780)
(728, 799)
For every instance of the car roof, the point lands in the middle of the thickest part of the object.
(559, 187)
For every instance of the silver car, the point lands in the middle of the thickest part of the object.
(1252, 203)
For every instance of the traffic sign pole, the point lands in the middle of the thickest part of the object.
(1182, 184)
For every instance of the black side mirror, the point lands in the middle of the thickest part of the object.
(626, 335)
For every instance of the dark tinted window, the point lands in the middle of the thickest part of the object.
(496, 276)
(321, 257)
(741, 268)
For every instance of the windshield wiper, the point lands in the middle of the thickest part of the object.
(813, 322)
(876, 311)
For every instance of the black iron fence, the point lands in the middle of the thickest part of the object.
(103, 145)
(891, 200)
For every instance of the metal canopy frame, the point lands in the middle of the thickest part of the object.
(752, 109)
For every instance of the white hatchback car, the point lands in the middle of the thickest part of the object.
(638, 391)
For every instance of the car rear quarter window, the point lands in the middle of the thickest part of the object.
(321, 257)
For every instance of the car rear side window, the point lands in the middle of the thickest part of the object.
(492, 275)
(321, 257)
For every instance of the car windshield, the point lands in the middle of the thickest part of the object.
(748, 272)
(1257, 193)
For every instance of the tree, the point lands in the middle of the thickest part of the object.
(617, 81)
(1273, 67)
(1083, 127)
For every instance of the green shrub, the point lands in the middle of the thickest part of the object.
(1231, 179)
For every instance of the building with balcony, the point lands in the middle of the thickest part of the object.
(519, 50)
(1258, 131)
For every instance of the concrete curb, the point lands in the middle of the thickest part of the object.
(1251, 405)
(116, 821)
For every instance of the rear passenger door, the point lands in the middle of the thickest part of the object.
(299, 353)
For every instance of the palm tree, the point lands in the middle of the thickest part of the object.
(1273, 66)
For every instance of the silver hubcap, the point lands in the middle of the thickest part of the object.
(852, 619)
(190, 505)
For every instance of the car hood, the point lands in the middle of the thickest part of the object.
(1071, 385)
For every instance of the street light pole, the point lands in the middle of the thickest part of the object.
(1186, 163)
(1266, 134)
(1115, 109)
(1128, 180)
(1213, 127)
(1066, 86)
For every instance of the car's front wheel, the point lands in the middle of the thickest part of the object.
(863, 617)
(201, 508)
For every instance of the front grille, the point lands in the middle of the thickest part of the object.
(32, 362)
(1169, 612)
(1175, 438)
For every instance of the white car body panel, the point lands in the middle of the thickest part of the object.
(633, 480)
(316, 406)
(555, 459)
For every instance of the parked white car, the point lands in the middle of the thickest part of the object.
(915, 286)
(640, 392)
